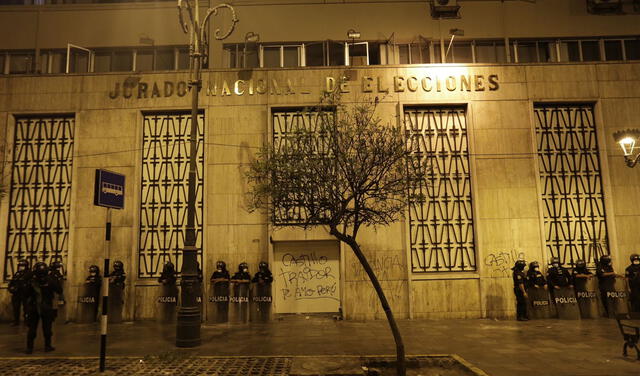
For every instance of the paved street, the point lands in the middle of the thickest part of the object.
(500, 348)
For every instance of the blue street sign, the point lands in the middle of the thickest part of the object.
(109, 189)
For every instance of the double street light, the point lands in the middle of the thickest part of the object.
(188, 325)
(627, 140)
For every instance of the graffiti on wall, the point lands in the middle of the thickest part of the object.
(499, 263)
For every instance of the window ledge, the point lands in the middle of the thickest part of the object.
(444, 275)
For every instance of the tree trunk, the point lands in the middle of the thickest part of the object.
(400, 361)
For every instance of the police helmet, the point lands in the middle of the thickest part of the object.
(221, 265)
(534, 264)
(243, 266)
(94, 269)
(23, 264)
(606, 259)
(263, 265)
(168, 267)
(634, 257)
(40, 269)
(56, 265)
(520, 264)
(555, 260)
(581, 264)
(118, 266)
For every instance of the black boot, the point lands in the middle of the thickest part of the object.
(29, 346)
(47, 345)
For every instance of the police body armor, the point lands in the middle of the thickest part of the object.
(167, 299)
(17, 288)
(613, 291)
(57, 273)
(260, 298)
(586, 291)
(218, 302)
(239, 304)
(562, 293)
(539, 305)
(116, 292)
(632, 273)
(89, 297)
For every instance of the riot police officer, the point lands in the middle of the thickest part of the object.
(519, 280)
(94, 280)
(263, 275)
(39, 294)
(168, 275)
(535, 278)
(632, 273)
(581, 271)
(17, 286)
(55, 272)
(118, 276)
(242, 275)
(221, 274)
(606, 279)
(558, 276)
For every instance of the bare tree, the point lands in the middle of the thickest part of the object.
(349, 172)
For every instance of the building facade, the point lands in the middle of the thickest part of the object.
(515, 119)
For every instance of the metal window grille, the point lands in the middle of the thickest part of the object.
(286, 122)
(440, 210)
(163, 206)
(39, 201)
(572, 196)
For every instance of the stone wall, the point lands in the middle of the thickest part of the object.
(504, 168)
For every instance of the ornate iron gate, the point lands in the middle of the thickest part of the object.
(285, 122)
(574, 213)
(39, 202)
(440, 210)
(163, 206)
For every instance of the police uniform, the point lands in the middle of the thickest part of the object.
(559, 276)
(56, 274)
(263, 275)
(632, 273)
(95, 281)
(605, 283)
(17, 288)
(40, 292)
(535, 278)
(519, 279)
(168, 275)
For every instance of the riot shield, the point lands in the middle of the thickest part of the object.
(260, 303)
(116, 301)
(239, 305)
(60, 304)
(587, 295)
(616, 297)
(566, 303)
(538, 303)
(218, 303)
(88, 303)
(166, 303)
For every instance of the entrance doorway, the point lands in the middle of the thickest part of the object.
(307, 276)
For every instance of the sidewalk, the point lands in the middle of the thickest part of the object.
(500, 348)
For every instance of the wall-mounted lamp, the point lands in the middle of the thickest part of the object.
(454, 33)
(352, 34)
(249, 37)
(627, 140)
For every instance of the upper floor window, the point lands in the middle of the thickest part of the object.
(310, 54)
(126, 59)
(17, 62)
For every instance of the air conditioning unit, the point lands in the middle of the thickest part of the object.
(445, 9)
(604, 6)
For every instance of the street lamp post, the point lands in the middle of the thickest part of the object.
(627, 140)
(188, 325)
